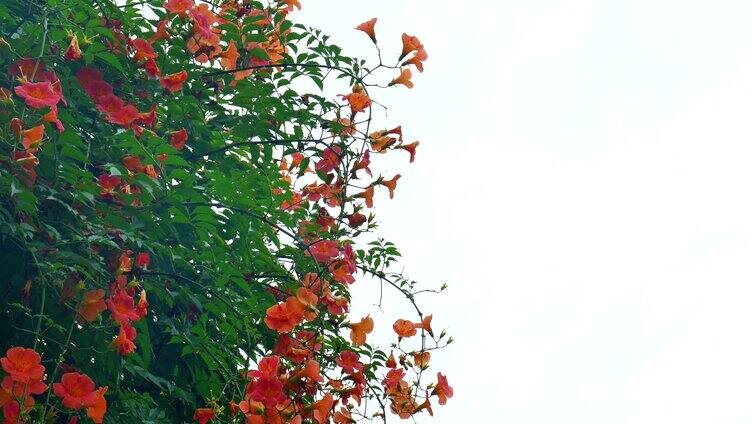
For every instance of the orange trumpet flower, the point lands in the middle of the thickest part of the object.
(369, 28)
(403, 78)
(391, 185)
(409, 44)
(359, 330)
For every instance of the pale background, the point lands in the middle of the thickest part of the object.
(584, 186)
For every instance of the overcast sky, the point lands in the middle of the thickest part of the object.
(583, 184)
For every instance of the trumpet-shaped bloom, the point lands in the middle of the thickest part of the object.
(358, 99)
(410, 148)
(32, 138)
(322, 408)
(179, 138)
(98, 408)
(203, 415)
(359, 330)
(324, 251)
(124, 340)
(268, 390)
(391, 185)
(442, 389)
(180, 7)
(76, 390)
(174, 82)
(23, 365)
(404, 78)
(123, 308)
(329, 159)
(350, 362)
(283, 317)
(73, 52)
(404, 328)
(123, 116)
(142, 50)
(369, 28)
(421, 359)
(425, 324)
(229, 57)
(367, 195)
(91, 306)
(38, 95)
(417, 59)
(409, 44)
(151, 68)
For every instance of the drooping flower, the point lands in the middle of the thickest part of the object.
(73, 52)
(229, 57)
(425, 324)
(409, 44)
(324, 251)
(142, 50)
(179, 138)
(52, 118)
(98, 408)
(38, 95)
(442, 389)
(363, 163)
(22, 364)
(123, 116)
(76, 390)
(161, 33)
(283, 317)
(329, 159)
(91, 306)
(421, 359)
(179, 7)
(108, 184)
(369, 28)
(174, 82)
(391, 185)
(349, 361)
(367, 195)
(410, 148)
(122, 307)
(142, 260)
(403, 78)
(417, 59)
(322, 408)
(358, 100)
(151, 68)
(203, 415)
(404, 328)
(359, 330)
(357, 219)
(124, 341)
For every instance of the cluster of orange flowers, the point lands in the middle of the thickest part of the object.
(25, 378)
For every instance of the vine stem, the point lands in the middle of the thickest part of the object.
(57, 367)
(39, 319)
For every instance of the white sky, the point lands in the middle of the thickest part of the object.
(583, 184)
